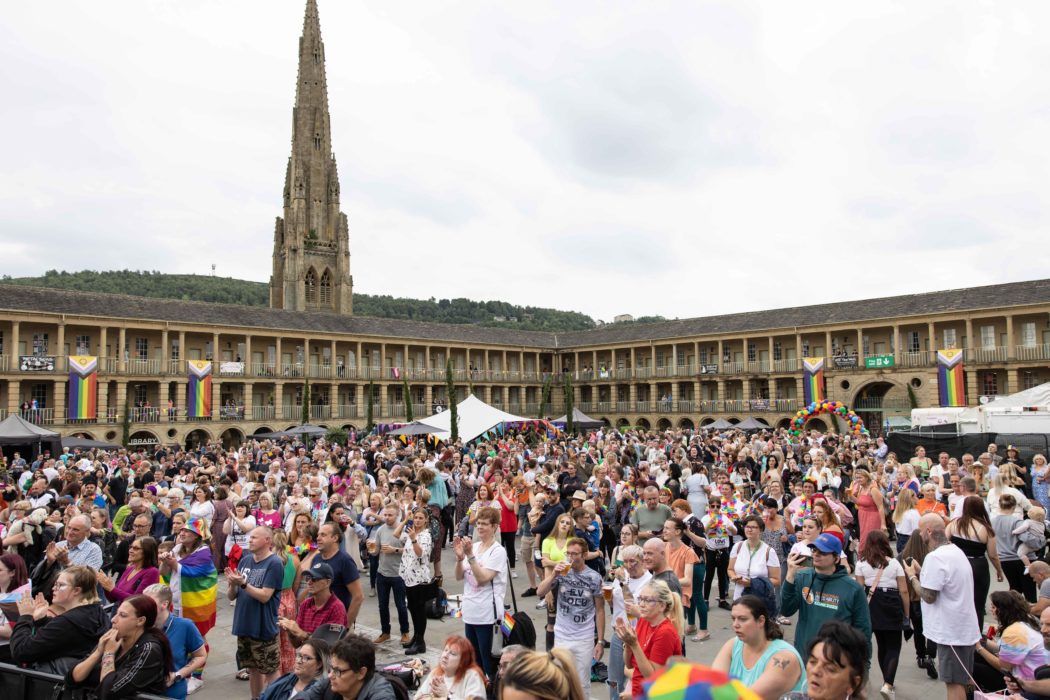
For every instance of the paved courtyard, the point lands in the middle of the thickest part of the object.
(220, 683)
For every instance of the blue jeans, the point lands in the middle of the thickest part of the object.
(697, 604)
(480, 637)
(397, 585)
(617, 678)
(373, 569)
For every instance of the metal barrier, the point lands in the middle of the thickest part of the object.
(25, 684)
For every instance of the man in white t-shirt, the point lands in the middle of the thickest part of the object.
(968, 487)
(580, 609)
(949, 617)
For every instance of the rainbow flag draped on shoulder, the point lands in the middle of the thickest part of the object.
(198, 389)
(199, 583)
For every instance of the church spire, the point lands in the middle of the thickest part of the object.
(311, 130)
(311, 248)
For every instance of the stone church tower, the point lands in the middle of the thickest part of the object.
(311, 244)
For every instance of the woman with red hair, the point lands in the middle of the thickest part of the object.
(456, 676)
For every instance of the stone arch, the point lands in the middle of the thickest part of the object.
(232, 437)
(263, 429)
(143, 438)
(310, 280)
(197, 436)
(734, 420)
(706, 421)
(622, 422)
(663, 424)
(325, 289)
(817, 424)
(643, 423)
(874, 389)
(606, 421)
(784, 423)
(686, 424)
(348, 427)
(82, 434)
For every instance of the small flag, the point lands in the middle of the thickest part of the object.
(507, 626)
(16, 595)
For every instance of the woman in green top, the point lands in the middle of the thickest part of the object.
(289, 606)
(759, 656)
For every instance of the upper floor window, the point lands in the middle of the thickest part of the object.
(1028, 334)
(141, 348)
(311, 287)
(1029, 379)
(777, 351)
(988, 337)
(326, 289)
(82, 345)
(40, 343)
(950, 338)
(914, 344)
(750, 352)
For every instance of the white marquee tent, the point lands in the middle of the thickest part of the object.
(475, 417)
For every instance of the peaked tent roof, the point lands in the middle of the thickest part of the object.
(86, 444)
(1036, 396)
(475, 417)
(15, 429)
(720, 424)
(579, 420)
(751, 423)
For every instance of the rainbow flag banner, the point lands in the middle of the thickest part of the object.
(198, 390)
(83, 387)
(951, 383)
(812, 380)
(507, 624)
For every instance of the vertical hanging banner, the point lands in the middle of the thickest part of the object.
(198, 390)
(83, 387)
(812, 379)
(951, 383)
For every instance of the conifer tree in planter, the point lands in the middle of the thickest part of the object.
(450, 390)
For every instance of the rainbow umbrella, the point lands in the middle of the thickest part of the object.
(683, 680)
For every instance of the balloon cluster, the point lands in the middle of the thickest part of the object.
(856, 425)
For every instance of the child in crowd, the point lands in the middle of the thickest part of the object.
(1031, 534)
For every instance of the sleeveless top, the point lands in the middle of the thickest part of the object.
(973, 549)
(748, 676)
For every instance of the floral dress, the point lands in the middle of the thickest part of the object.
(1041, 486)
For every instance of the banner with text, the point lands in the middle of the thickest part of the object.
(951, 383)
(812, 379)
(83, 387)
(198, 390)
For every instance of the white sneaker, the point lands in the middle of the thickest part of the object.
(542, 604)
(887, 692)
(193, 685)
(513, 574)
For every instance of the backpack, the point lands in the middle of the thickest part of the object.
(397, 683)
(760, 586)
(436, 607)
(524, 632)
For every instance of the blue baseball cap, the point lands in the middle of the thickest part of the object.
(827, 543)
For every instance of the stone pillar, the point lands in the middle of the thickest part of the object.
(1013, 381)
(183, 354)
(860, 347)
(798, 349)
(931, 333)
(632, 392)
(249, 399)
(215, 354)
(15, 340)
(278, 398)
(14, 394)
(772, 361)
(896, 343)
(165, 353)
(101, 347)
(60, 344)
(634, 368)
(1011, 343)
(720, 360)
(969, 344)
(103, 400)
(277, 369)
(971, 386)
(216, 403)
(384, 409)
(247, 355)
(122, 398)
(721, 391)
(60, 402)
(827, 344)
(122, 365)
(428, 398)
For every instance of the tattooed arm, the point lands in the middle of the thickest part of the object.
(781, 674)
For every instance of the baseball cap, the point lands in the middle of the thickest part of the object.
(827, 543)
(320, 570)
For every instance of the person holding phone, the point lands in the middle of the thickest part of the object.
(414, 533)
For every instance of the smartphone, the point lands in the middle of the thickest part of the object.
(910, 561)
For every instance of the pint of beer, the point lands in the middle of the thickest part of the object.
(372, 547)
(607, 591)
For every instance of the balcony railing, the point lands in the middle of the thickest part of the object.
(733, 367)
(785, 365)
(348, 411)
(758, 366)
(231, 412)
(320, 412)
(881, 403)
(996, 354)
(264, 412)
(922, 358)
(38, 416)
(1032, 352)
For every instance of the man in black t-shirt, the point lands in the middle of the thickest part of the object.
(346, 582)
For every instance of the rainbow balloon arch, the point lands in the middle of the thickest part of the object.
(833, 408)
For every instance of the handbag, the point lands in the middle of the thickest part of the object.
(978, 694)
(885, 607)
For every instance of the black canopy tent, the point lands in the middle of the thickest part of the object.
(19, 435)
(720, 424)
(580, 420)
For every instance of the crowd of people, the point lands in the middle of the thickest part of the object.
(622, 537)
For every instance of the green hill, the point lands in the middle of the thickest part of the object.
(225, 290)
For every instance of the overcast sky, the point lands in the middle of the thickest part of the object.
(672, 158)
